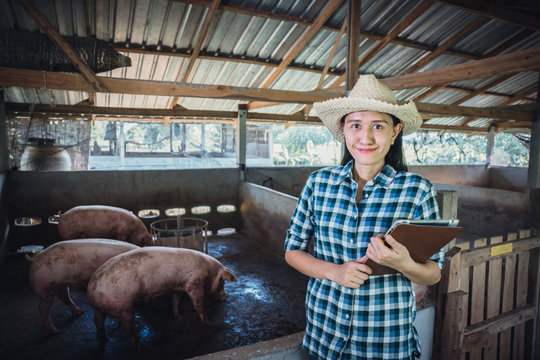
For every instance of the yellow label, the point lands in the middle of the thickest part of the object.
(501, 249)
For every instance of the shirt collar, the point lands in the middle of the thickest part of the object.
(383, 178)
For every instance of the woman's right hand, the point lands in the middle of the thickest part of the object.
(351, 274)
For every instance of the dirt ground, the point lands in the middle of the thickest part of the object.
(267, 302)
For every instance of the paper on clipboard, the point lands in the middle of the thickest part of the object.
(422, 241)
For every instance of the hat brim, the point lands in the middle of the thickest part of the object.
(332, 111)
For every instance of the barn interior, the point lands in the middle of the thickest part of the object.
(245, 65)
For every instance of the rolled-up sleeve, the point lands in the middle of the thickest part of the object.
(301, 224)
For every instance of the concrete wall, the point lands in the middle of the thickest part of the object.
(45, 193)
(508, 178)
(266, 214)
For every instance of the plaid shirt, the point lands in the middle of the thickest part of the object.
(374, 321)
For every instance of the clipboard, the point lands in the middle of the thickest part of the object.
(422, 241)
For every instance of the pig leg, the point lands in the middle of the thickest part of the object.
(64, 295)
(127, 321)
(45, 304)
(197, 298)
(175, 301)
(99, 321)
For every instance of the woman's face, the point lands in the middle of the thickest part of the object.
(368, 136)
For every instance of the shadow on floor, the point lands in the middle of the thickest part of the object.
(267, 302)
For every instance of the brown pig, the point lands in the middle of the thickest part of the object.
(100, 221)
(68, 264)
(147, 273)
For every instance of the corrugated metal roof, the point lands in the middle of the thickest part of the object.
(174, 26)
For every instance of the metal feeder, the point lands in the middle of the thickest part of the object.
(189, 233)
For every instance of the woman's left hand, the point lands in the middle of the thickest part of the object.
(396, 256)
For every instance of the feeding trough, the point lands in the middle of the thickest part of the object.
(189, 233)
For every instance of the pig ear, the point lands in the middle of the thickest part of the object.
(228, 275)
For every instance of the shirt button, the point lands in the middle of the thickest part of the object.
(351, 241)
(366, 196)
(347, 316)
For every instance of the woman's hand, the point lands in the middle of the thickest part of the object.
(396, 256)
(351, 274)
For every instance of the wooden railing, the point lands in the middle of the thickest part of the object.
(487, 302)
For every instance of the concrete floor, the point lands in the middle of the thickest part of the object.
(267, 302)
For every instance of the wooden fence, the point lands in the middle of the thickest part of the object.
(487, 302)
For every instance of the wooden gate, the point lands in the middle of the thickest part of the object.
(487, 302)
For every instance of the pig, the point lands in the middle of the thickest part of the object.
(68, 264)
(146, 273)
(99, 221)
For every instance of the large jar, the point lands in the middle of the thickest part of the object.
(42, 155)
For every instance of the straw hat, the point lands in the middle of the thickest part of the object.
(367, 94)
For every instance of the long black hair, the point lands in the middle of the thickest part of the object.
(395, 156)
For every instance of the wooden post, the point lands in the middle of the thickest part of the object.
(533, 176)
(448, 205)
(241, 137)
(452, 332)
(4, 151)
(353, 42)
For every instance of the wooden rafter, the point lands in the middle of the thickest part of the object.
(446, 44)
(497, 65)
(491, 9)
(198, 45)
(426, 110)
(409, 19)
(514, 98)
(494, 52)
(69, 81)
(63, 45)
(260, 104)
(302, 41)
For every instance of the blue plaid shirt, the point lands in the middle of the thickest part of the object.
(374, 321)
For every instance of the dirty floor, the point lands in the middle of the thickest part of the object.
(267, 302)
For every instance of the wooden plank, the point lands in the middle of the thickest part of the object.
(463, 315)
(521, 297)
(452, 330)
(498, 324)
(493, 304)
(508, 300)
(471, 257)
(478, 287)
(450, 269)
(532, 298)
(497, 65)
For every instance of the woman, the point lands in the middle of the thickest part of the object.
(351, 314)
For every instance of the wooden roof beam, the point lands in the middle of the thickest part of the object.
(494, 52)
(302, 41)
(198, 45)
(413, 15)
(487, 8)
(63, 45)
(426, 110)
(497, 65)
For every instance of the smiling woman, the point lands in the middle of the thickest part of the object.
(346, 210)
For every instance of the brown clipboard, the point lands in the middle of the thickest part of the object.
(422, 241)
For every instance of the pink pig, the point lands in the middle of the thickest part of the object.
(68, 264)
(147, 273)
(102, 221)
